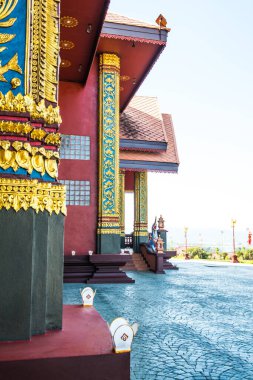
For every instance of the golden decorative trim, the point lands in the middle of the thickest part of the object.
(9, 126)
(141, 233)
(5, 37)
(108, 231)
(107, 59)
(66, 45)
(140, 204)
(28, 54)
(20, 103)
(24, 194)
(7, 24)
(29, 158)
(15, 82)
(108, 224)
(65, 63)
(124, 78)
(45, 53)
(38, 134)
(7, 6)
(122, 202)
(109, 136)
(53, 138)
(69, 22)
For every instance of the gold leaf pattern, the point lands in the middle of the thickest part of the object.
(29, 158)
(25, 194)
(45, 50)
(20, 103)
(4, 37)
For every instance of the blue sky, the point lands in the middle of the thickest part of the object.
(204, 78)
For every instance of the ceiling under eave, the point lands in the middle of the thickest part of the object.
(88, 34)
(81, 24)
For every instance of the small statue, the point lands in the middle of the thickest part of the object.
(122, 334)
(159, 245)
(154, 230)
(151, 244)
(161, 223)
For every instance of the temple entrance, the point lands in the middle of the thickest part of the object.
(129, 219)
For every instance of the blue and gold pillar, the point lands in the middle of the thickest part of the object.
(32, 202)
(140, 209)
(108, 231)
(122, 208)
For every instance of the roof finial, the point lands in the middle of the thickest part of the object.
(161, 21)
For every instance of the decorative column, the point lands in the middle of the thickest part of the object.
(32, 202)
(122, 208)
(108, 232)
(140, 209)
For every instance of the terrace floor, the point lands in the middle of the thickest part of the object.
(194, 323)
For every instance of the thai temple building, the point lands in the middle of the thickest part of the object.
(73, 138)
(110, 137)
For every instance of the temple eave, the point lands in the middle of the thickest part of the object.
(149, 166)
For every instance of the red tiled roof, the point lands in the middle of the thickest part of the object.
(118, 19)
(170, 156)
(142, 120)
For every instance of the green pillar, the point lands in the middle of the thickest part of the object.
(108, 231)
(122, 208)
(140, 209)
(32, 202)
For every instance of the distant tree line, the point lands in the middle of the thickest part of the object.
(211, 254)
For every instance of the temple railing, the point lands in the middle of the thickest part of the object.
(129, 240)
(157, 262)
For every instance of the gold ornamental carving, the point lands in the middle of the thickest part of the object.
(109, 60)
(53, 138)
(66, 45)
(108, 231)
(23, 155)
(6, 8)
(45, 54)
(38, 134)
(8, 126)
(124, 78)
(24, 194)
(65, 63)
(15, 82)
(69, 22)
(24, 104)
(26, 129)
(11, 65)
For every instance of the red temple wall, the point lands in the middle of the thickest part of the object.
(79, 111)
(129, 181)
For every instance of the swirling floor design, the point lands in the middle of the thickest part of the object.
(195, 323)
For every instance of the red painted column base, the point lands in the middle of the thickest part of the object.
(81, 350)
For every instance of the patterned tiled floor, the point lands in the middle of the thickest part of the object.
(195, 323)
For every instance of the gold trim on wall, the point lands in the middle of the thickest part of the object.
(24, 194)
(45, 52)
(140, 203)
(23, 155)
(26, 104)
(122, 202)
